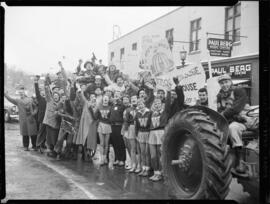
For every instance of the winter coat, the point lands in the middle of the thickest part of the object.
(28, 125)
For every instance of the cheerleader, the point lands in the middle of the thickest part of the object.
(159, 120)
(131, 136)
(142, 126)
(104, 128)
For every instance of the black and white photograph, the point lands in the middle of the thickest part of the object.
(132, 102)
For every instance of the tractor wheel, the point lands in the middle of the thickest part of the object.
(207, 174)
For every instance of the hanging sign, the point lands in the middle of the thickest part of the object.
(219, 47)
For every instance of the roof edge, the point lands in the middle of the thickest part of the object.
(146, 24)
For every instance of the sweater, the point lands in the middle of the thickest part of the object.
(117, 111)
(143, 121)
(103, 114)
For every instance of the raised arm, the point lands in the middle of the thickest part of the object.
(180, 95)
(48, 95)
(107, 79)
(168, 101)
(37, 88)
(10, 99)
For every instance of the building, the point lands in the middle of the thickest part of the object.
(189, 28)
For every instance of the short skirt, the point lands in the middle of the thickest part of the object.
(156, 137)
(131, 132)
(104, 128)
(143, 137)
(123, 130)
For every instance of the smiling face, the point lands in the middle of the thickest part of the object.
(161, 94)
(120, 81)
(117, 95)
(89, 66)
(173, 95)
(98, 92)
(125, 101)
(225, 84)
(56, 97)
(141, 104)
(142, 94)
(21, 93)
(105, 100)
(203, 96)
(157, 104)
(134, 100)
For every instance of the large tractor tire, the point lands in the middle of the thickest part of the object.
(7, 116)
(209, 173)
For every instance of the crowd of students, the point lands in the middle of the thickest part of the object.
(100, 105)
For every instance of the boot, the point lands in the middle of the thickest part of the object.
(240, 168)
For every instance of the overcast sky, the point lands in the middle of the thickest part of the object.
(37, 37)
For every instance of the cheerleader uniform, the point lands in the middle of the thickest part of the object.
(103, 115)
(130, 115)
(142, 125)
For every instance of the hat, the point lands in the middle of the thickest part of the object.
(97, 77)
(87, 62)
(224, 77)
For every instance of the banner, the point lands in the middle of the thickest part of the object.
(191, 77)
(156, 55)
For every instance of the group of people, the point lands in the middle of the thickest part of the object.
(100, 105)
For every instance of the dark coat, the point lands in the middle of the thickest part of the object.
(41, 104)
(178, 103)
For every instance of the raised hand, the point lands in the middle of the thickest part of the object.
(60, 64)
(176, 80)
(80, 61)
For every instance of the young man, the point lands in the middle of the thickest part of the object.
(41, 137)
(203, 97)
(28, 126)
(230, 102)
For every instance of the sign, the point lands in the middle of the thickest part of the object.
(191, 77)
(238, 71)
(219, 47)
(213, 88)
(156, 56)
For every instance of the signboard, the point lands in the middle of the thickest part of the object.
(156, 56)
(219, 47)
(191, 77)
(237, 71)
(213, 88)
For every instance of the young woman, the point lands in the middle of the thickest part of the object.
(131, 136)
(84, 133)
(124, 131)
(142, 127)
(104, 128)
(159, 120)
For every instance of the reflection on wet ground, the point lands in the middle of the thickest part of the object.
(31, 175)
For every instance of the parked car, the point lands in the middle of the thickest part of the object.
(11, 111)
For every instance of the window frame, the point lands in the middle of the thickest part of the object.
(233, 17)
(134, 45)
(112, 55)
(196, 30)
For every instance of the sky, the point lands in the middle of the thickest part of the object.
(36, 38)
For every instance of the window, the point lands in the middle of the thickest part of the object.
(195, 28)
(112, 55)
(169, 36)
(122, 52)
(232, 23)
(134, 46)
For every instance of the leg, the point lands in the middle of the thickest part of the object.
(138, 157)
(106, 147)
(133, 154)
(59, 144)
(33, 141)
(158, 157)
(115, 144)
(102, 142)
(25, 140)
(122, 148)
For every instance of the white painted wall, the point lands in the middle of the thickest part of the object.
(213, 21)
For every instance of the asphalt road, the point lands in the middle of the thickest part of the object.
(31, 175)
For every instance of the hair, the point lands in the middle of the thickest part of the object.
(119, 76)
(88, 62)
(202, 90)
(140, 91)
(140, 100)
(126, 96)
(161, 90)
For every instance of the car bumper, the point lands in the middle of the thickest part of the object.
(16, 117)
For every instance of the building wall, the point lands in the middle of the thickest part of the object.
(212, 21)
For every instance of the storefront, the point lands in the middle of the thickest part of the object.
(244, 71)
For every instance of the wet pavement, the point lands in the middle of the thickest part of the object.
(31, 175)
